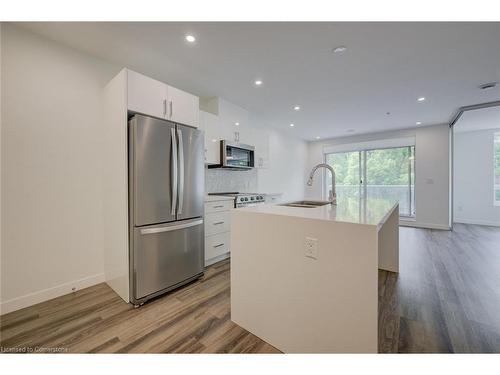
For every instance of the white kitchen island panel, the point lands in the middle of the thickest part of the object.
(304, 305)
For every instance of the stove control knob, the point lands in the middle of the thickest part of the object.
(252, 198)
(246, 199)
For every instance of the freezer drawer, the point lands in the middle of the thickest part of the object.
(166, 255)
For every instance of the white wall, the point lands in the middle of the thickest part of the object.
(287, 167)
(52, 170)
(52, 206)
(473, 178)
(431, 166)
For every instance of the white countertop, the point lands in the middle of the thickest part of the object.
(218, 198)
(368, 211)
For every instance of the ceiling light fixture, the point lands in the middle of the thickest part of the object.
(258, 82)
(190, 38)
(292, 125)
(317, 137)
(418, 123)
(421, 99)
(296, 108)
(339, 49)
(237, 123)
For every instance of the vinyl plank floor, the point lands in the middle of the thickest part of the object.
(445, 299)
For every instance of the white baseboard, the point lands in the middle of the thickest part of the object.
(414, 224)
(477, 222)
(46, 294)
(209, 262)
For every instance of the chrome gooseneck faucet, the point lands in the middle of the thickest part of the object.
(332, 195)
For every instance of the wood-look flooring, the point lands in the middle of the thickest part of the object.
(445, 299)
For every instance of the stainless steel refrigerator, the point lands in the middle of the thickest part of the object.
(166, 188)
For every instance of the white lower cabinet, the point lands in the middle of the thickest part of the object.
(217, 230)
(216, 245)
(274, 198)
(217, 222)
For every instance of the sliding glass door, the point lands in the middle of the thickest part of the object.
(347, 166)
(377, 173)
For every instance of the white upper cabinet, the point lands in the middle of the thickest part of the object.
(146, 95)
(183, 107)
(154, 98)
(223, 126)
(213, 134)
(260, 140)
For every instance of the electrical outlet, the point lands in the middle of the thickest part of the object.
(311, 248)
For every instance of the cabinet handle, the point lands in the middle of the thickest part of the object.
(219, 245)
(218, 206)
(164, 107)
(171, 109)
(219, 223)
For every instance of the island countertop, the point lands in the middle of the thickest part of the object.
(368, 211)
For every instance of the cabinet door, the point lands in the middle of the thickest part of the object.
(146, 95)
(183, 107)
(260, 140)
(213, 135)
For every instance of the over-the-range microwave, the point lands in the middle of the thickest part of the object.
(235, 155)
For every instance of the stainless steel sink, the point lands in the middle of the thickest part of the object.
(306, 204)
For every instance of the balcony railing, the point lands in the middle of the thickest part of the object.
(403, 193)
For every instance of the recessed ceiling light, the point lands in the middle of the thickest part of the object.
(339, 49)
(292, 125)
(317, 137)
(190, 38)
(258, 82)
(296, 108)
(214, 140)
(421, 99)
(418, 123)
(237, 123)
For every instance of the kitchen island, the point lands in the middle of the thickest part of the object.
(306, 279)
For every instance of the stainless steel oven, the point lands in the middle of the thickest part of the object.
(236, 155)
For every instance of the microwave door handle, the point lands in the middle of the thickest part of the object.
(173, 170)
(181, 171)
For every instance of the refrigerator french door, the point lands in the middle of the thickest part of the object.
(166, 187)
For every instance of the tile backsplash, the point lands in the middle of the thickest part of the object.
(223, 180)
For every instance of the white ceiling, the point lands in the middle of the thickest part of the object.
(478, 119)
(385, 68)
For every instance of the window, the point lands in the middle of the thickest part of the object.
(376, 173)
(496, 172)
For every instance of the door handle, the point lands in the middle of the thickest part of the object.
(172, 227)
(181, 171)
(174, 171)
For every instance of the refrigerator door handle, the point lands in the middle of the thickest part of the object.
(181, 171)
(174, 171)
(172, 227)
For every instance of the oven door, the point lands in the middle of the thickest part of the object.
(237, 155)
